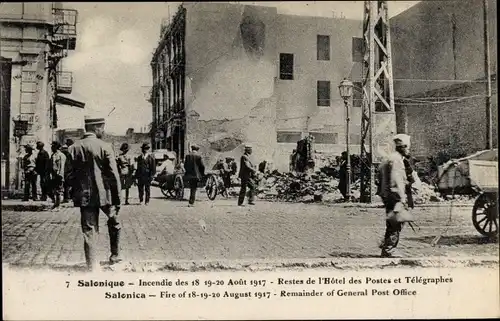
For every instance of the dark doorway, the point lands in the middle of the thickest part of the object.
(5, 76)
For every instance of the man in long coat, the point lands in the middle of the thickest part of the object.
(247, 176)
(96, 186)
(395, 181)
(195, 170)
(144, 173)
(43, 168)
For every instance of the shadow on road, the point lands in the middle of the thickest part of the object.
(351, 255)
(450, 240)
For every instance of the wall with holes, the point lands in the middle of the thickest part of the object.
(230, 77)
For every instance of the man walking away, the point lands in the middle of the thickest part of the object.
(393, 183)
(43, 169)
(146, 170)
(125, 165)
(58, 161)
(29, 164)
(96, 185)
(195, 170)
(67, 174)
(247, 177)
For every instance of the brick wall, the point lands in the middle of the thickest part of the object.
(456, 128)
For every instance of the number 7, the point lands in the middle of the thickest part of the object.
(67, 284)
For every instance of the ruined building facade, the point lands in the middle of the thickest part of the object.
(229, 74)
(34, 37)
(440, 76)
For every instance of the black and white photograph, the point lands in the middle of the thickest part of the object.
(249, 160)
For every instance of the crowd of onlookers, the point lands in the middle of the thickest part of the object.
(51, 171)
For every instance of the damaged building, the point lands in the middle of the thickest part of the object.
(440, 76)
(229, 74)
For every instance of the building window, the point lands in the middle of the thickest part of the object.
(286, 66)
(323, 47)
(288, 137)
(357, 94)
(358, 45)
(323, 90)
(325, 138)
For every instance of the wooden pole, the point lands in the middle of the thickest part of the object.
(489, 125)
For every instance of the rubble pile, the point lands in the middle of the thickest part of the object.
(298, 187)
(426, 193)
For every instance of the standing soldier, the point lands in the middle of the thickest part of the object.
(195, 170)
(43, 169)
(96, 185)
(57, 174)
(393, 183)
(67, 173)
(125, 165)
(29, 164)
(247, 177)
(343, 176)
(146, 170)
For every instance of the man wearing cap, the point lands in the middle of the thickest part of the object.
(67, 172)
(57, 174)
(29, 164)
(247, 176)
(125, 164)
(393, 184)
(195, 170)
(96, 186)
(146, 170)
(43, 168)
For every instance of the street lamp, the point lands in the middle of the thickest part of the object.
(345, 89)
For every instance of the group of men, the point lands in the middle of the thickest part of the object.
(53, 171)
(96, 178)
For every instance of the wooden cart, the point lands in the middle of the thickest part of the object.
(475, 176)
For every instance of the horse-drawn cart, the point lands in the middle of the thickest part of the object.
(475, 175)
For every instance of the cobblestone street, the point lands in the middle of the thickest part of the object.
(168, 230)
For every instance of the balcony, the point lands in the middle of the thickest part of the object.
(64, 30)
(64, 82)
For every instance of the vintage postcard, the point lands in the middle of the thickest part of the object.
(249, 160)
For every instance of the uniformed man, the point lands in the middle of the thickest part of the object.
(146, 170)
(29, 164)
(393, 183)
(57, 174)
(43, 167)
(195, 170)
(343, 176)
(125, 164)
(247, 176)
(96, 186)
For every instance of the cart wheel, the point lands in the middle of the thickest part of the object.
(211, 187)
(485, 215)
(164, 190)
(179, 188)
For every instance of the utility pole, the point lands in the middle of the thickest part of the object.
(378, 120)
(489, 125)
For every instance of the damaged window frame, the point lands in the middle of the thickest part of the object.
(323, 47)
(320, 100)
(286, 66)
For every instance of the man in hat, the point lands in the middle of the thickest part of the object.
(146, 170)
(247, 176)
(43, 168)
(57, 174)
(29, 164)
(393, 183)
(233, 168)
(195, 170)
(343, 176)
(69, 142)
(125, 164)
(96, 186)
(67, 173)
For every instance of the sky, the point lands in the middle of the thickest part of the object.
(115, 43)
